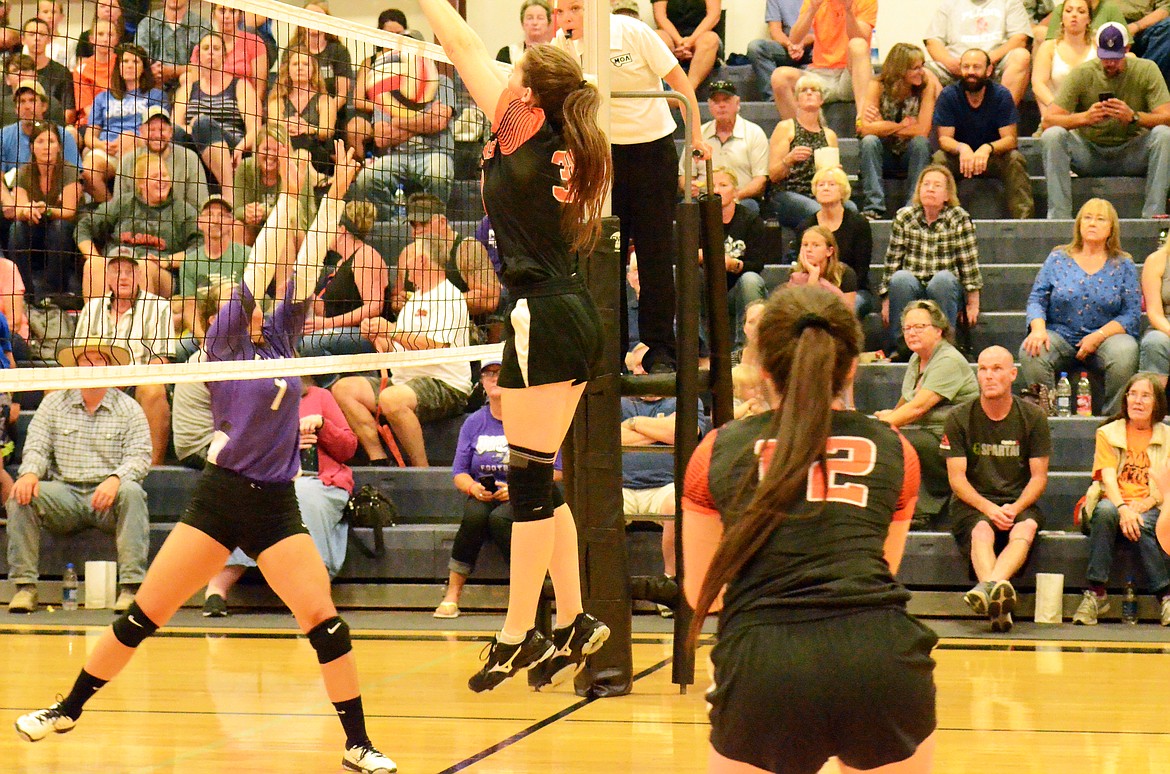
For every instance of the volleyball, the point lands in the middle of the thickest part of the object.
(402, 83)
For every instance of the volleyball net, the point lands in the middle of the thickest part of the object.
(150, 153)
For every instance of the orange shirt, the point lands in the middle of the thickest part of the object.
(1133, 477)
(90, 78)
(831, 51)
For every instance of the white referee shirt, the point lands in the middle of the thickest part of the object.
(745, 152)
(638, 60)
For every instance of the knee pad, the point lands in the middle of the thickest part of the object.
(133, 626)
(530, 481)
(330, 639)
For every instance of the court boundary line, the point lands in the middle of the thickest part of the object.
(543, 723)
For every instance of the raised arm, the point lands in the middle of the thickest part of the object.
(467, 52)
(324, 228)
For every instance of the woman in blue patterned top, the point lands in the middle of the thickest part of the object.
(245, 498)
(1085, 308)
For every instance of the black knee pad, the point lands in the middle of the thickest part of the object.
(132, 627)
(529, 490)
(330, 639)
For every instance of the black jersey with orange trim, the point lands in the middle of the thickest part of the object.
(525, 173)
(826, 557)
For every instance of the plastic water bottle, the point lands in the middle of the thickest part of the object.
(1084, 397)
(1129, 605)
(69, 588)
(1063, 397)
(400, 202)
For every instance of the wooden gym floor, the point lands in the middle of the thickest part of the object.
(232, 699)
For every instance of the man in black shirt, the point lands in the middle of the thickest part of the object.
(54, 76)
(997, 449)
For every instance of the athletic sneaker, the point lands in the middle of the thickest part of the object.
(364, 758)
(35, 726)
(574, 643)
(215, 606)
(1001, 603)
(1091, 606)
(978, 597)
(503, 661)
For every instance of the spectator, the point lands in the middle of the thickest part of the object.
(745, 246)
(244, 53)
(139, 322)
(117, 115)
(778, 49)
(220, 113)
(84, 459)
(737, 145)
(434, 316)
(1149, 28)
(648, 478)
(352, 291)
(1056, 58)
(481, 473)
(12, 307)
(157, 139)
(217, 258)
(52, 13)
(467, 265)
(817, 264)
(149, 221)
(105, 11)
(932, 254)
(331, 57)
(748, 390)
(895, 126)
(31, 106)
(937, 379)
(1085, 308)
(998, 27)
(536, 21)
(791, 154)
(9, 37)
(17, 68)
(45, 194)
(1110, 117)
(54, 76)
(1154, 357)
(169, 35)
(300, 104)
(977, 125)
(419, 147)
(1101, 12)
(851, 232)
(95, 73)
(258, 184)
(322, 490)
(692, 30)
(358, 118)
(840, 58)
(997, 450)
(1124, 500)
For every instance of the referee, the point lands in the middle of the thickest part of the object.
(645, 165)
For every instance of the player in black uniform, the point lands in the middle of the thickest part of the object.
(797, 518)
(546, 172)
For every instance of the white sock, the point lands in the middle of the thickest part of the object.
(510, 639)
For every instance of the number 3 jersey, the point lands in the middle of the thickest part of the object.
(525, 173)
(825, 558)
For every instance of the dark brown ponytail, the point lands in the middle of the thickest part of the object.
(808, 341)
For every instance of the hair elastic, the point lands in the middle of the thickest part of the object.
(812, 320)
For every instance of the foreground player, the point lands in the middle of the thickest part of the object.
(245, 497)
(798, 518)
(545, 176)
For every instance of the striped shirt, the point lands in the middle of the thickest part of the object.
(222, 108)
(67, 443)
(147, 329)
(924, 249)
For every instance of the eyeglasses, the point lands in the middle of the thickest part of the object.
(917, 328)
(1139, 396)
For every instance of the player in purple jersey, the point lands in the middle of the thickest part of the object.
(546, 175)
(245, 497)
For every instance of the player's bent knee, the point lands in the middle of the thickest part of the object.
(133, 626)
(330, 639)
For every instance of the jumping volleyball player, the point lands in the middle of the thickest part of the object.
(798, 517)
(545, 175)
(245, 497)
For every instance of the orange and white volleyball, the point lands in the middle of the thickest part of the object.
(402, 83)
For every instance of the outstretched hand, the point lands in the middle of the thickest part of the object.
(344, 171)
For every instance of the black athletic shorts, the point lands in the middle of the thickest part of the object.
(237, 512)
(552, 334)
(964, 518)
(787, 697)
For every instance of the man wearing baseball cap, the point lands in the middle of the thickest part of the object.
(31, 105)
(1111, 117)
(736, 144)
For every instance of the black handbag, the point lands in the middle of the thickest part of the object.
(369, 508)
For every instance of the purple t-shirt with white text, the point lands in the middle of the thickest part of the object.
(482, 449)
